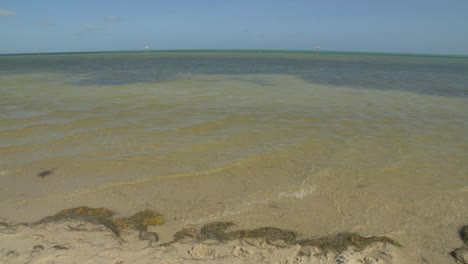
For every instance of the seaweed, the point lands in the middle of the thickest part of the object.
(463, 232)
(100, 216)
(152, 237)
(103, 216)
(121, 223)
(142, 220)
(337, 243)
(60, 247)
(215, 230)
(270, 234)
(45, 172)
(187, 232)
(461, 254)
(340, 242)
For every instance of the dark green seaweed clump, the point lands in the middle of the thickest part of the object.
(460, 254)
(270, 234)
(187, 232)
(464, 234)
(142, 220)
(103, 216)
(216, 230)
(45, 173)
(337, 243)
(342, 241)
(100, 216)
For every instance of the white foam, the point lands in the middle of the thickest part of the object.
(4, 172)
(299, 194)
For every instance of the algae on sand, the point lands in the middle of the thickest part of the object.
(142, 220)
(103, 216)
(342, 241)
(100, 216)
(216, 230)
(337, 243)
(464, 234)
(268, 233)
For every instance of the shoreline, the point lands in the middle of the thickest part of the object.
(84, 234)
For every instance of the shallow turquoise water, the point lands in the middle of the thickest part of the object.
(438, 75)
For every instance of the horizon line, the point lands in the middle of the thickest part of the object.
(237, 50)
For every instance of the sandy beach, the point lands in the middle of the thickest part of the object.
(76, 241)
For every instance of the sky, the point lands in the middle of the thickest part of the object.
(397, 26)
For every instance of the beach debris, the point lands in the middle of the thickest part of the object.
(461, 254)
(103, 216)
(45, 172)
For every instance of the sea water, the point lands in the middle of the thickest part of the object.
(315, 142)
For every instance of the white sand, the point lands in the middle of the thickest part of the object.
(65, 243)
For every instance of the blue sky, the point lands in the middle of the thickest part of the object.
(409, 26)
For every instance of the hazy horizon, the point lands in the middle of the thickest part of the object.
(241, 50)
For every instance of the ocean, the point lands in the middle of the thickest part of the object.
(314, 142)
